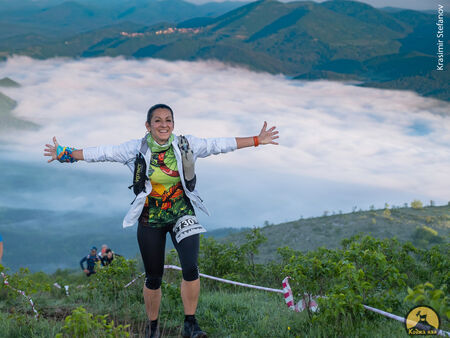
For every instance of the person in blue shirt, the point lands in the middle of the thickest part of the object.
(90, 259)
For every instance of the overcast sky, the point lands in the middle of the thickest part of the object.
(340, 146)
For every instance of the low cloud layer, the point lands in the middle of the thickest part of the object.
(339, 144)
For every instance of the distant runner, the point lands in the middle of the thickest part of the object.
(109, 256)
(90, 259)
(164, 184)
(103, 250)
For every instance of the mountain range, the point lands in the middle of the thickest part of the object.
(46, 19)
(335, 40)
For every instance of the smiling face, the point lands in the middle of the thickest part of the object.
(161, 125)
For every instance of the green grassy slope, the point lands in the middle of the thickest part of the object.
(233, 311)
(230, 313)
(328, 231)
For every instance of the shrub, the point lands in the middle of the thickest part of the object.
(111, 279)
(424, 235)
(230, 261)
(366, 271)
(416, 204)
(83, 324)
(435, 264)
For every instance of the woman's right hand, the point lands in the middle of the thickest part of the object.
(51, 150)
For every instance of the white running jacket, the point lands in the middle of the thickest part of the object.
(126, 153)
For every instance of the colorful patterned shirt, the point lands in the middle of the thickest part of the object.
(167, 201)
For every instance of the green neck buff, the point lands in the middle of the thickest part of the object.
(157, 148)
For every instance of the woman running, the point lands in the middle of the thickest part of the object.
(165, 196)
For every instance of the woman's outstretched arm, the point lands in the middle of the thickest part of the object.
(266, 136)
(51, 151)
(121, 153)
(203, 147)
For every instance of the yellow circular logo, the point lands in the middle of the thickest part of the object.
(422, 320)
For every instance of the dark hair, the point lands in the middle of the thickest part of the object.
(108, 250)
(158, 106)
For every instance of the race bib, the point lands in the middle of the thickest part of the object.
(187, 226)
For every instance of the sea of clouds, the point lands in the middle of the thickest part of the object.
(340, 145)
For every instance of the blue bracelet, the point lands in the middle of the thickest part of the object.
(64, 154)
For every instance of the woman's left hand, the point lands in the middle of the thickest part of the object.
(268, 136)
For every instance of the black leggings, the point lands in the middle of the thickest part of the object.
(152, 243)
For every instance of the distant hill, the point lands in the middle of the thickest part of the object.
(406, 224)
(7, 105)
(57, 19)
(336, 40)
(7, 82)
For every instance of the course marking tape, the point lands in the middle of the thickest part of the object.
(174, 267)
(134, 280)
(5, 281)
(306, 301)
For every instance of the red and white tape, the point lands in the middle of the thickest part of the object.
(5, 281)
(306, 302)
